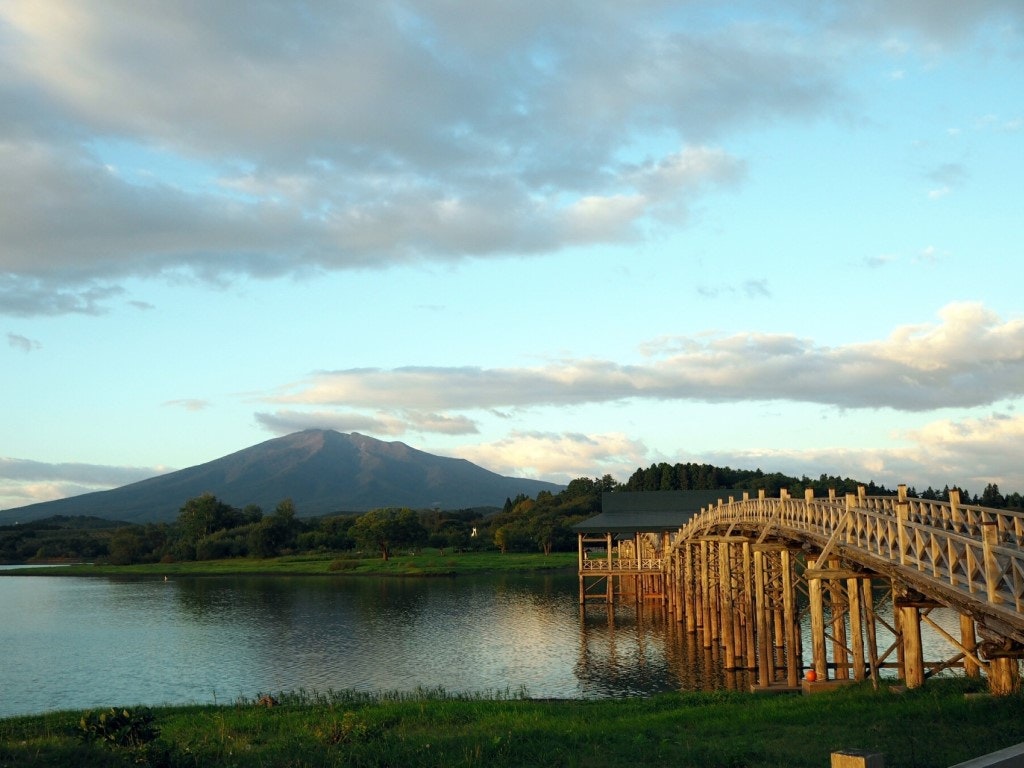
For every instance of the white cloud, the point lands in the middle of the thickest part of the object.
(285, 422)
(189, 404)
(164, 141)
(970, 357)
(969, 453)
(25, 482)
(559, 457)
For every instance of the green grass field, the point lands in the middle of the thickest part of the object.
(429, 562)
(937, 725)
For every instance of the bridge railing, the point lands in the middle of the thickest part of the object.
(974, 550)
(644, 565)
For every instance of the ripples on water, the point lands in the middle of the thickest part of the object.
(72, 643)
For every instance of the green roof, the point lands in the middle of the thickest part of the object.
(650, 511)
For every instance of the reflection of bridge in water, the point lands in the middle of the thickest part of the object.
(869, 570)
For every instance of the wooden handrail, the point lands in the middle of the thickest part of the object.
(966, 550)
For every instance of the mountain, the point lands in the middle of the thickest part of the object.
(322, 471)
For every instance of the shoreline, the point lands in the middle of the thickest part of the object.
(428, 563)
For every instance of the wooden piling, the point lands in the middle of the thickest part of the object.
(913, 652)
(819, 653)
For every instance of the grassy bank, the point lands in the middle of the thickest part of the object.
(429, 562)
(934, 726)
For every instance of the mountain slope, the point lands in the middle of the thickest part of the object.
(322, 471)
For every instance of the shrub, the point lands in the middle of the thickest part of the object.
(119, 727)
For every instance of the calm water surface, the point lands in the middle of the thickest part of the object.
(88, 642)
(75, 643)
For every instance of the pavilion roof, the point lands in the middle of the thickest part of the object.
(650, 511)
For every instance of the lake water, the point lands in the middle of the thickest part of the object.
(76, 643)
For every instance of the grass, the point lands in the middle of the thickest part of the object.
(428, 562)
(936, 725)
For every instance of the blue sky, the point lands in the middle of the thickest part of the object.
(555, 239)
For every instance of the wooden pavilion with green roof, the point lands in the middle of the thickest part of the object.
(625, 549)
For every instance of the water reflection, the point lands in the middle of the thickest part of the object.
(78, 643)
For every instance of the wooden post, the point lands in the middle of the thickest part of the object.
(993, 573)
(708, 634)
(902, 512)
(853, 594)
(583, 596)
(689, 590)
(969, 640)
(749, 640)
(789, 610)
(870, 628)
(1004, 676)
(913, 653)
(726, 605)
(838, 602)
(853, 758)
(765, 662)
(819, 653)
(609, 584)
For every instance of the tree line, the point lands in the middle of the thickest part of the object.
(207, 528)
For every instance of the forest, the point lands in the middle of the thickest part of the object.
(209, 529)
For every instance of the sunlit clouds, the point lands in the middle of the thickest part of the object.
(970, 357)
(555, 239)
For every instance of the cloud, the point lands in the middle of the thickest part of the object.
(169, 142)
(559, 457)
(189, 404)
(25, 482)
(970, 453)
(84, 474)
(938, 25)
(970, 357)
(285, 422)
(25, 344)
(881, 260)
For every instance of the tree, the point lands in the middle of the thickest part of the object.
(991, 497)
(126, 546)
(385, 529)
(202, 516)
(274, 533)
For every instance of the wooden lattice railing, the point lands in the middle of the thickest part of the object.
(644, 565)
(971, 552)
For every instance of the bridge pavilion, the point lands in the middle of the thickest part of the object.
(625, 550)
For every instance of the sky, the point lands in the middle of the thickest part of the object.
(558, 240)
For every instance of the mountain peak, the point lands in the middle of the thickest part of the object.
(321, 470)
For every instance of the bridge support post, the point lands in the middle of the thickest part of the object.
(765, 660)
(839, 608)
(1004, 676)
(794, 649)
(690, 604)
(969, 640)
(853, 594)
(819, 652)
(749, 621)
(910, 642)
(725, 585)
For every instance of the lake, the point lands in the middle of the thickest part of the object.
(76, 643)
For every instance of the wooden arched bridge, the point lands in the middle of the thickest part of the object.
(744, 572)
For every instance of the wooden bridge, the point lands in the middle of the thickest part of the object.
(743, 573)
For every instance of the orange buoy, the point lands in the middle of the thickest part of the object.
(811, 675)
